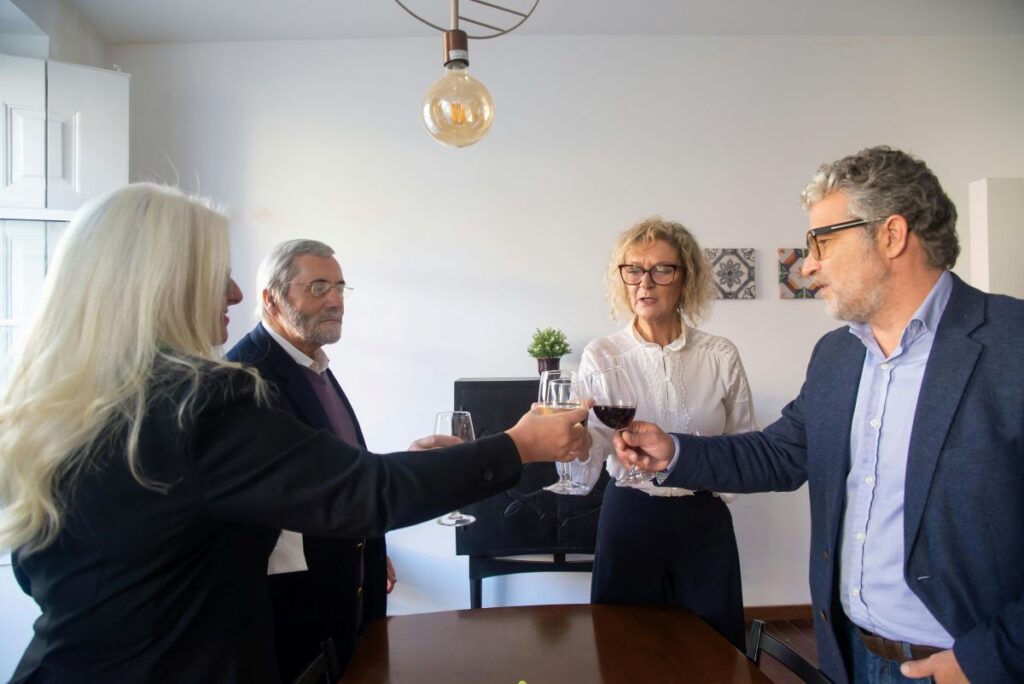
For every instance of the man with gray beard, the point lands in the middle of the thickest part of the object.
(320, 588)
(909, 431)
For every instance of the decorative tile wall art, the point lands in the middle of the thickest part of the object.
(732, 270)
(792, 285)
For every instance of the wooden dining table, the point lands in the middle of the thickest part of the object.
(547, 644)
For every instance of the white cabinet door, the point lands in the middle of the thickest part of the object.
(87, 129)
(23, 138)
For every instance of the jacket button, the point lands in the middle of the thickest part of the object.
(823, 615)
(488, 475)
(825, 554)
(359, 591)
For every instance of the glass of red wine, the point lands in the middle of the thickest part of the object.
(615, 406)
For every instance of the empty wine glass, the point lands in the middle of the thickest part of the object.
(457, 424)
(562, 390)
(615, 406)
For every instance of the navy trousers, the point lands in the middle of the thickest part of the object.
(670, 551)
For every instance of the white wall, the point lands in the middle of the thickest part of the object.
(997, 244)
(457, 256)
(21, 45)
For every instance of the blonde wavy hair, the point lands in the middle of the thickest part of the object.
(697, 294)
(135, 294)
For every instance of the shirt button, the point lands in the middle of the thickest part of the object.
(855, 592)
(875, 422)
(870, 479)
(885, 366)
(860, 536)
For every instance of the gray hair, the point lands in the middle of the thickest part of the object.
(278, 268)
(879, 182)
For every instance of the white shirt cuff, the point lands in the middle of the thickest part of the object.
(663, 475)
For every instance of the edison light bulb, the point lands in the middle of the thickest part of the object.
(457, 109)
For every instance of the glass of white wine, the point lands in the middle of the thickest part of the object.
(562, 390)
(457, 424)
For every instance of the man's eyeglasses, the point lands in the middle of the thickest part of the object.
(813, 243)
(320, 288)
(661, 274)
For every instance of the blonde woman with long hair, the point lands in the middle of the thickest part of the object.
(667, 545)
(143, 480)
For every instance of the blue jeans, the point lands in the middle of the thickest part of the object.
(871, 669)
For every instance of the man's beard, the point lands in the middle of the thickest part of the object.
(312, 328)
(866, 297)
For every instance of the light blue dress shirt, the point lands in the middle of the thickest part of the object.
(872, 588)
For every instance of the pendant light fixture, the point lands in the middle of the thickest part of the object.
(457, 108)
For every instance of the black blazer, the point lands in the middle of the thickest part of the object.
(144, 585)
(346, 584)
(964, 498)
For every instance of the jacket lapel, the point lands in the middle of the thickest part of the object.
(844, 383)
(950, 364)
(289, 378)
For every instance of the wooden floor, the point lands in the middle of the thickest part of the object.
(798, 635)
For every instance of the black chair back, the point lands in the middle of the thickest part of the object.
(761, 641)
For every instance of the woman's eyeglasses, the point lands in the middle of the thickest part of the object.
(661, 274)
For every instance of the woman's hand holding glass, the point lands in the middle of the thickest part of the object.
(558, 437)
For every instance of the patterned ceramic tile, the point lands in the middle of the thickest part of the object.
(792, 285)
(732, 269)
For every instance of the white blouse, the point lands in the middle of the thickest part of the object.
(694, 385)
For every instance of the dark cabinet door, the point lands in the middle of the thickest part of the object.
(524, 519)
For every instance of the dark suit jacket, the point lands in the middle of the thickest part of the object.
(149, 586)
(964, 498)
(346, 584)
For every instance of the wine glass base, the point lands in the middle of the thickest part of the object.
(568, 487)
(633, 480)
(456, 520)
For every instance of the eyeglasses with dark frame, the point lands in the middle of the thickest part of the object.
(320, 288)
(814, 247)
(661, 274)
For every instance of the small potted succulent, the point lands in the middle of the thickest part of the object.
(548, 346)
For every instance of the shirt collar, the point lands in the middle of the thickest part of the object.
(318, 364)
(674, 345)
(925, 319)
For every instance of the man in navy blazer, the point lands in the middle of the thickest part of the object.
(909, 430)
(320, 587)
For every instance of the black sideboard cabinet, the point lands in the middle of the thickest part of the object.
(523, 520)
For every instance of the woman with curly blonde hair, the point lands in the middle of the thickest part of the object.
(665, 545)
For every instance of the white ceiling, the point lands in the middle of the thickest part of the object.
(148, 21)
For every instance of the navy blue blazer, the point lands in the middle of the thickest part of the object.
(964, 499)
(346, 585)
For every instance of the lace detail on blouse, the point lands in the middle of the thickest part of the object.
(696, 384)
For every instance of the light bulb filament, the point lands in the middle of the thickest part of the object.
(457, 114)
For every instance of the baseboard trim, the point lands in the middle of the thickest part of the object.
(793, 612)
